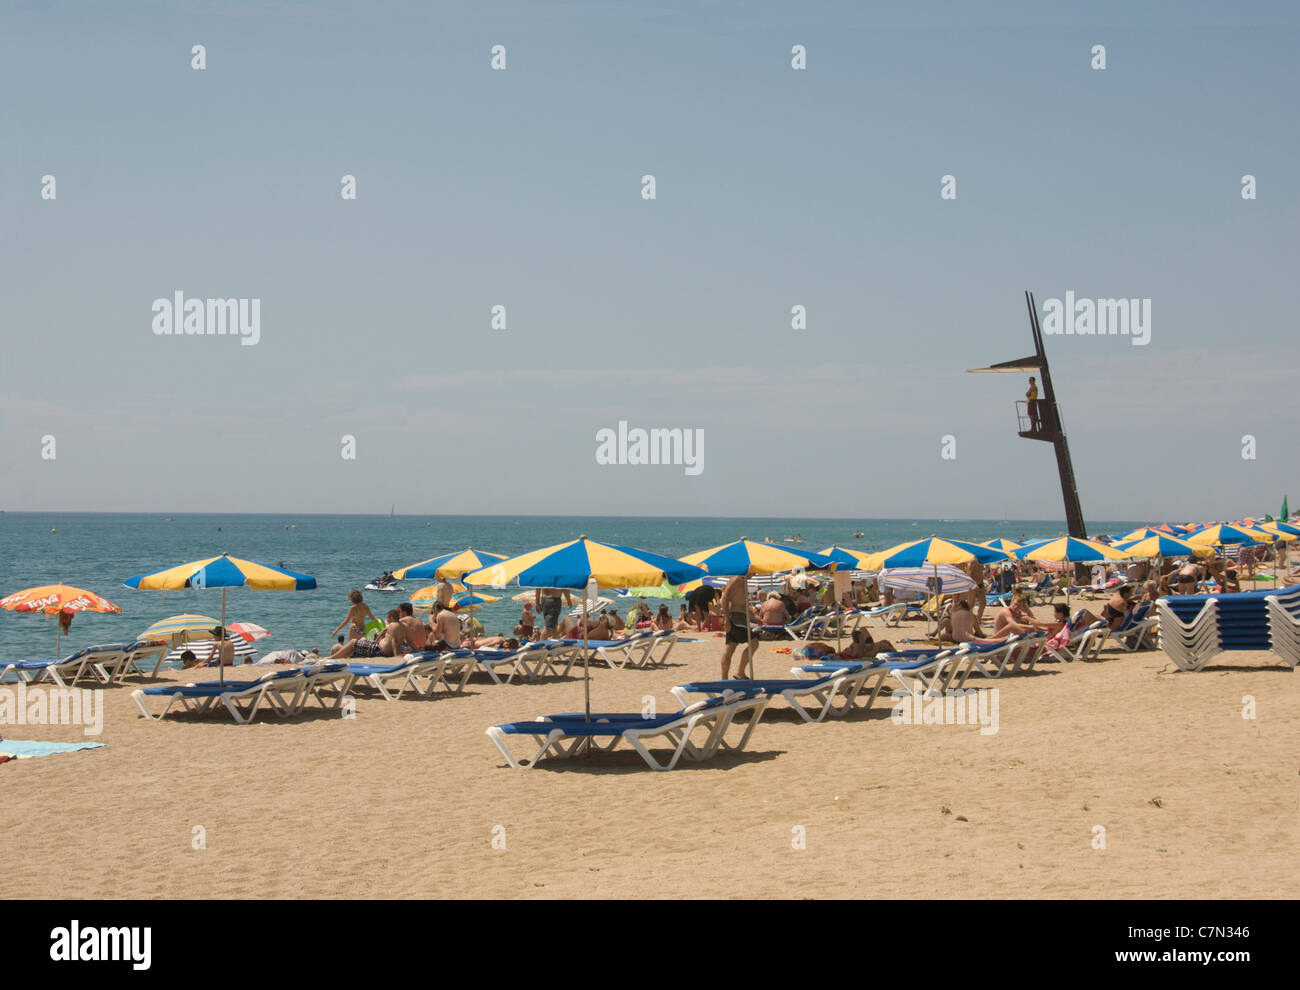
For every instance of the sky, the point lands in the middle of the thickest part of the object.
(523, 188)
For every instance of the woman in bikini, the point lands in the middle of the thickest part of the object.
(356, 618)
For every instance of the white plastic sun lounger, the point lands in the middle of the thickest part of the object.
(405, 673)
(241, 698)
(562, 736)
(67, 671)
(842, 685)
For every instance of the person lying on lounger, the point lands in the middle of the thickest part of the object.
(1115, 611)
(491, 643)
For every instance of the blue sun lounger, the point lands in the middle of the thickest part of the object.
(241, 698)
(68, 670)
(564, 735)
(844, 682)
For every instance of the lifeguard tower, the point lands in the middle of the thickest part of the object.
(1041, 419)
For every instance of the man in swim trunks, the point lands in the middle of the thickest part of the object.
(548, 601)
(735, 605)
(444, 593)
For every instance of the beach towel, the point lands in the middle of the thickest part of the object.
(21, 750)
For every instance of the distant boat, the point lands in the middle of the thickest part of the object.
(794, 539)
(392, 511)
(858, 535)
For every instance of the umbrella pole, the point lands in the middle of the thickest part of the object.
(221, 662)
(586, 654)
(938, 607)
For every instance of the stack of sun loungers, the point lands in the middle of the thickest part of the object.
(1196, 628)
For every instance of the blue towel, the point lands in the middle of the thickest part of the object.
(18, 747)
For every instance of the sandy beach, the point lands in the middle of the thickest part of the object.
(405, 799)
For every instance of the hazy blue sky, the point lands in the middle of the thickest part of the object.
(522, 187)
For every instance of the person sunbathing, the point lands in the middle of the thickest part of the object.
(1114, 612)
(491, 643)
(663, 619)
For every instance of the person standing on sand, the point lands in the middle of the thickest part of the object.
(548, 607)
(735, 606)
(445, 591)
(356, 618)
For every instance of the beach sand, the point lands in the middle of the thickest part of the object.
(405, 799)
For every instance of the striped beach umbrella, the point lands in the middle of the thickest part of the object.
(1070, 550)
(1006, 546)
(749, 556)
(846, 557)
(1141, 533)
(1282, 530)
(578, 564)
(223, 572)
(178, 625)
(51, 599)
(449, 565)
(202, 647)
(932, 551)
(1164, 545)
(1224, 534)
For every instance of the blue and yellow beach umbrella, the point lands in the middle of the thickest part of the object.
(1282, 530)
(1070, 550)
(846, 557)
(750, 557)
(918, 553)
(223, 572)
(581, 562)
(1223, 535)
(449, 565)
(1164, 545)
(1142, 533)
(1006, 546)
(578, 564)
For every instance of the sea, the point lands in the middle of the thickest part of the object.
(98, 551)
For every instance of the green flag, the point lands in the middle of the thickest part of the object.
(1285, 514)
